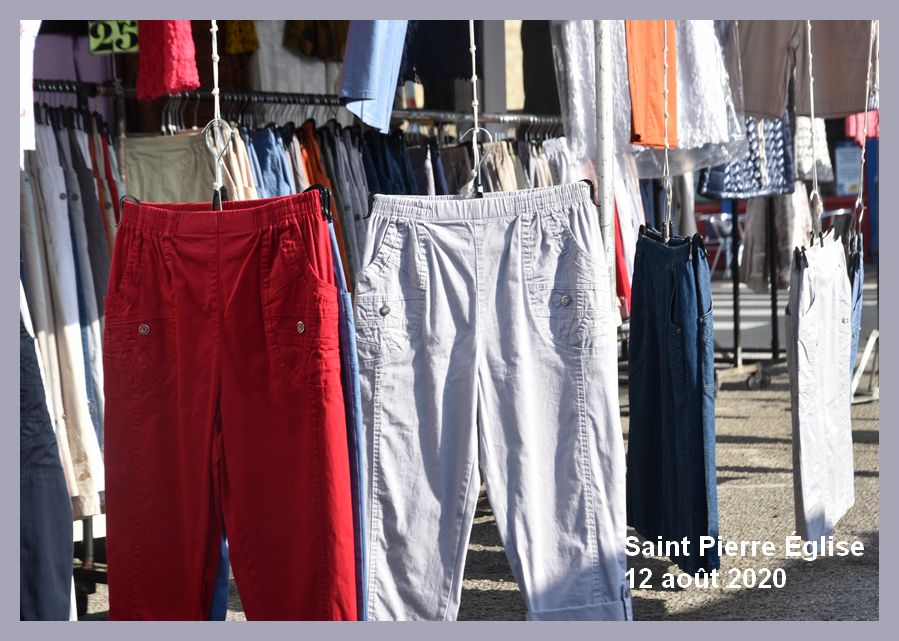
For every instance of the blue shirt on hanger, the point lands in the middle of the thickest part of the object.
(371, 66)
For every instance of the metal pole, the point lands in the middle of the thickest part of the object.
(772, 274)
(735, 275)
(605, 142)
(87, 535)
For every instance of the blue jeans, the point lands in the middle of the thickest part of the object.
(671, 479)
(857, 278)
(273, 170)
(349, 361)
(45, 522)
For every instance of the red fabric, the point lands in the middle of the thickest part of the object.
(113, 186)
(622, 278)
(221, 408)
(167, 60)
(855, 126)
(316, 172)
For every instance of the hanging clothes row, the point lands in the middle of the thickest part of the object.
(69, 203)
(278, 160)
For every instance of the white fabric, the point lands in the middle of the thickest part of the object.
(803, 153)
(819, 334)
(80, 248)
(31, 238)
(702, 85)
(84, 447)
(27, 35)
(487, 340)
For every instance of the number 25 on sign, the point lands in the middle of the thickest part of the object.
(113, 36)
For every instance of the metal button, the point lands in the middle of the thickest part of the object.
(845, 320)
(144, 329)
(62, 196)
(385, 309)
(75, 197)
(565, 300)
(301, 327)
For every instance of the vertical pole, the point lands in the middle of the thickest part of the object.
(87, 536)
(772, 274)
(730, 206)
(605, 165)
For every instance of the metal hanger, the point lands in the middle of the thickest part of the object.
(475, 183)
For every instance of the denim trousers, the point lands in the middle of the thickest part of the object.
(349, 361)
(671, 480)
(486, 339)
(45, 521)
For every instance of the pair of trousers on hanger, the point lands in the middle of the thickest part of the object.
(671, 476)
(45, 523)
(819, 341)
(225, 406)
(486, 336)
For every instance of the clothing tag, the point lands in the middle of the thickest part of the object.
(112, 36)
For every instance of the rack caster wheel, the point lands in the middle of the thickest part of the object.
(758, 380)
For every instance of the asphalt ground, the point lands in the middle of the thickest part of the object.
(755, 498)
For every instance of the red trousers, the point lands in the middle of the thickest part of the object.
(224, 407)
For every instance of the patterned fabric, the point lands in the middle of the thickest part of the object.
(766, 169)
(806, 156)
(167, 60)
(322, 39)
(240, 36)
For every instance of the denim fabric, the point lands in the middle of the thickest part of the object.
(390, 174)
(218, 611)
(437, 165)
(404, 163)
(671, 483)
(254, 162)
(273, 170)
(368, 164)
(857, 278)
(349, 361)
(45, 521)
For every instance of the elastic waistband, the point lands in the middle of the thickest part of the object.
(678, 249)
(236, 215)
(492, 205)
(825, 259)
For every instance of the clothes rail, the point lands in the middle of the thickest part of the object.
(460, 116)
(116, 89)
(113, 88)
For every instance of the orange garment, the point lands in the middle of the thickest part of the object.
(102, 198)
(645, 73)
(312, 160)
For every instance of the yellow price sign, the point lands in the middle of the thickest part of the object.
(112, 36)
